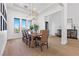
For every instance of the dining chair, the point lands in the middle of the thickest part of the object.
(32, 42)
(44, 39)
(23, 36)
(29, 36)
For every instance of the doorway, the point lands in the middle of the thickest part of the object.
(46, 25)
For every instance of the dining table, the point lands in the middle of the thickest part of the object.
(35, 37)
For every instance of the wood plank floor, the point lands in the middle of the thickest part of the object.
(17, 47)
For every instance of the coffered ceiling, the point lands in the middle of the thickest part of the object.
(37, 8)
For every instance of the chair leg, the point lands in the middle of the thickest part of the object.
(22, 39)
(41, 47)
(29, 44)
(26, 42)
(47, 45)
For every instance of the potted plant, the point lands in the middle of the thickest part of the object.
(31, 27)
(36, 27)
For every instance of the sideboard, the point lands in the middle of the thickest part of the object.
(71, 33)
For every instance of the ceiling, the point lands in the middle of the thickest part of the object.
(33, 9)
(29, 7)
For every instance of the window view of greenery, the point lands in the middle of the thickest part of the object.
(23, 24)
(16, 25)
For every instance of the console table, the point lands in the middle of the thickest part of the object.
(71, 33)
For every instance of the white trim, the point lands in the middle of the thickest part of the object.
(3, 48)
(3, 42)
(15, 38)
(3, 17)
(5, 5)
(0, 13)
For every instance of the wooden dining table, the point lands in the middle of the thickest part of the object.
(34, 38)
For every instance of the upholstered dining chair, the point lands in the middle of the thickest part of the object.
(23, 36)
(29, 37)
(32, 43)
(44, 39)
(26, 37)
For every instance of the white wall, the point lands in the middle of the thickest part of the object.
(41, 23)
(11, 15)
(55, 22)
(73, 12)
(73, 9)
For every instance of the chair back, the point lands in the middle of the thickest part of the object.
(44, 36)
(23, 34)
(26, 33)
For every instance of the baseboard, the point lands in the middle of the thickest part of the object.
(15, 38)
(52, 36)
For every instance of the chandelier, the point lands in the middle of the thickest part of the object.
(32, 13)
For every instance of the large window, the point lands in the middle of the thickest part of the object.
(23, 24)
(29, 23)
(16, 25)
(3, 17)
(0, 23)
(4, 25)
